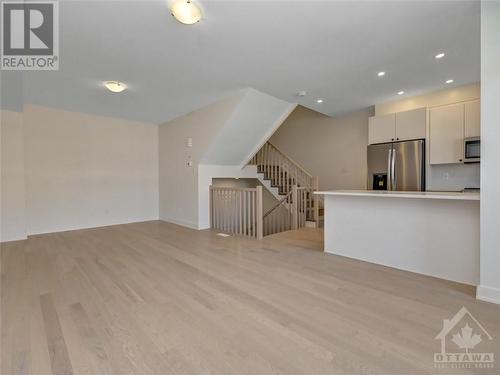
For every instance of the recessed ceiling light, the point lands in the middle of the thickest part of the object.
(319, 101)
(186, 12)
(381, 74)
(401, 92)
(115, 86)
(449, 81)
(440, 55)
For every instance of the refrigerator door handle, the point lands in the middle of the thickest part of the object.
(393, 170)
(389, 170)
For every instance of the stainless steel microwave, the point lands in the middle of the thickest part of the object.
(472, 150)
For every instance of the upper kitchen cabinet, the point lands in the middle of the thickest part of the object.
(382, 129)
(411, 124)
(446, 136)
(401, 126)
(449, 125)
(472, 119)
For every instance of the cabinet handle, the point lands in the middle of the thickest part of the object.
(397, 139)
(460, 160)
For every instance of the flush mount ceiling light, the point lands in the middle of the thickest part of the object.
(115, 86)
(186, 12)
(440, 55)
(449, 81)
(319, 101)
(401, 92)
(381, 74)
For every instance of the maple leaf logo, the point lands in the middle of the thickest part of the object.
(466, 340)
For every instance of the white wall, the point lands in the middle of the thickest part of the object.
(334, 149)
(178, 181)
(447, 176)
(250, 125)
(87, 171)
(13, 220)
(489, 288)
(432, 99)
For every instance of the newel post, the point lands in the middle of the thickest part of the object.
(295, 207)
(258, 212)
(211, 206)
(316, 200)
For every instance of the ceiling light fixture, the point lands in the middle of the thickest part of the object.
(440, 55)
(401, 92)
(319, 101)
(449, 81)
(115, 86)
(186, 12)
(381, 74)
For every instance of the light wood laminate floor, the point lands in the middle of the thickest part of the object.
(156, 298)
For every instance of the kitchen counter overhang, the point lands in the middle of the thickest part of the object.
(432, 233)
(404, 194)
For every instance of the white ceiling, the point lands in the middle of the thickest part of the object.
(331, 49)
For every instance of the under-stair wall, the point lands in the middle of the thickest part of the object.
(251, 124)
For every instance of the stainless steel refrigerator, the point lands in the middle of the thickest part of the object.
(398, 166)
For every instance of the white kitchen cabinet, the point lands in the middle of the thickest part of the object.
(381, 129)
(446, 134)
(472, 119)
(411, 124)
(401, 126)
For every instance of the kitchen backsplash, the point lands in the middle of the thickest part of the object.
(453, 177)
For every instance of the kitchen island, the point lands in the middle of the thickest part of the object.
(432, 233)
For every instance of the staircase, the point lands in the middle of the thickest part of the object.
(240, 210)
(280, 172)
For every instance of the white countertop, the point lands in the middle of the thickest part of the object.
(404, 194)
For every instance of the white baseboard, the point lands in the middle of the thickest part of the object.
(13, 239)
(310, 224)
(183, 223)
(83, 227)
(488, 294)
(93, 226)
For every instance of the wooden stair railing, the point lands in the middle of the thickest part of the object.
(239, 211)
(283, 173)
(289, 213)
(236, 210)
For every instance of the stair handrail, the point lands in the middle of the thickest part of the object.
(292, 216)
(268, 212)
